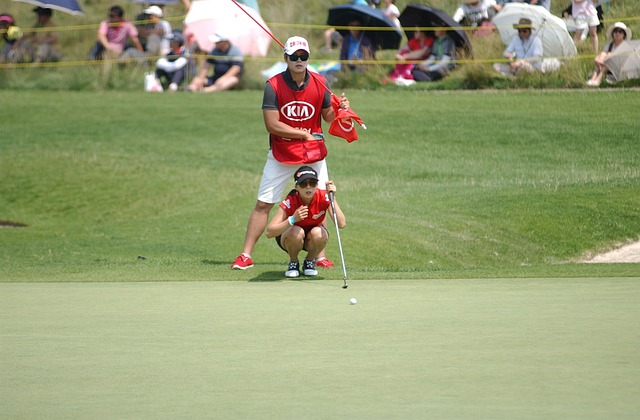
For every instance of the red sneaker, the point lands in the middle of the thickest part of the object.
(242, 263)
(324, 263)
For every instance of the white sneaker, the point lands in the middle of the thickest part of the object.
(294, 270)
(401, 81)
(173, 87)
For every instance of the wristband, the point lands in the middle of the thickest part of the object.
(292, 220)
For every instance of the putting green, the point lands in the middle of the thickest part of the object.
(499, 348)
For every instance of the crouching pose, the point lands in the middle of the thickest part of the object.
(298, 223)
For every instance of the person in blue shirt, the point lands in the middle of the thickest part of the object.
(356, 47)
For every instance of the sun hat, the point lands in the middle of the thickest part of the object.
(153, 10)
(523, 23)
(215, 38)
(296, 43)
(618, 25)
(305, 172)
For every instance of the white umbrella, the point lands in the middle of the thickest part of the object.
(224, 17)
(624, 62)
(556, 40)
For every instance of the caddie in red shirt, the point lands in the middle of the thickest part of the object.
(298, 223)
(293, 106)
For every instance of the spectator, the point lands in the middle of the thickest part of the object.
(113, 34)
(13, 39)
(524, 51)
(585, 16)
(298, 223)
(356, 47)
(293, 141)
(158, 34)
(441, 61)
(616, 34)
(418, 48)
(228, 64)
(40, 45)
(174, 67)
(392, 12)
(332, 38)
(545, 3)
(473, 12)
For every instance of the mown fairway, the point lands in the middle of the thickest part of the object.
(467, 213)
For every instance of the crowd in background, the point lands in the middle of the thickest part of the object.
(427, 56)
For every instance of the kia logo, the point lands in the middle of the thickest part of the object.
(297, 111)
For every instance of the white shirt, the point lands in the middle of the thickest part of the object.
(474, 14)
(526, 49)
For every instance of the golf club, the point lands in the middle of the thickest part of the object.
(335, 219)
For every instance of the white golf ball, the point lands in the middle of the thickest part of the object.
(353, 301)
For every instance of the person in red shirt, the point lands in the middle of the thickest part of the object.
(298, 223)
(293, 106)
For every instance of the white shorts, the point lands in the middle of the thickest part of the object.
(276, 176)
(585, 22)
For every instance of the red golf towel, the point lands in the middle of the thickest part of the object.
(344, 126)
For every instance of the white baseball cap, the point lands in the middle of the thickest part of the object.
(153, 10)
(218, 38)
(296, 43)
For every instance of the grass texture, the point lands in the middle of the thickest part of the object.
(466, 185)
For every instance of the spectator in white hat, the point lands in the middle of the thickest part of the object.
(616, 34)
(159, 34)
(228, 64)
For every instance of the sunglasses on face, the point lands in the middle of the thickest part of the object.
(303, 57)
(523, 31)
(308, 183)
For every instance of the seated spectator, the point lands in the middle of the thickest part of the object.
(228, 64)
(441, 61)
(356, 46)
(616, 34)
(473, 12)
(113, 34)
(418, 48)
(585, 16)
(524, 51)
(158, 34)
(174, 67)
(41, 43)
(13, 38)
(332, 38)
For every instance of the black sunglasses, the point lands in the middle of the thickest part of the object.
(303, 57)
(309, 182)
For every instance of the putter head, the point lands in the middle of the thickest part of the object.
(345, 286)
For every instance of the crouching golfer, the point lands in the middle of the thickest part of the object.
(297, 224)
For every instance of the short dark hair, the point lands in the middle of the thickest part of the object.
(116, 10)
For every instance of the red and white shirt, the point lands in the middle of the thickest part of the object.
(317, 207)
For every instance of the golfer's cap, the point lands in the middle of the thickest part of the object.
(218, 38)
(153, 10)
(305, 172)
(296, 43)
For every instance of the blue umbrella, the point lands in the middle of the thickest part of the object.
(388, 37)
(67, 6)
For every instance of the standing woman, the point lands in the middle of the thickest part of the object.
(586, 17)
(617, 34)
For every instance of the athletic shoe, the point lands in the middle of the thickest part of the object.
(294, 270)
(310, 268)
(242, 263)
(324, 262)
